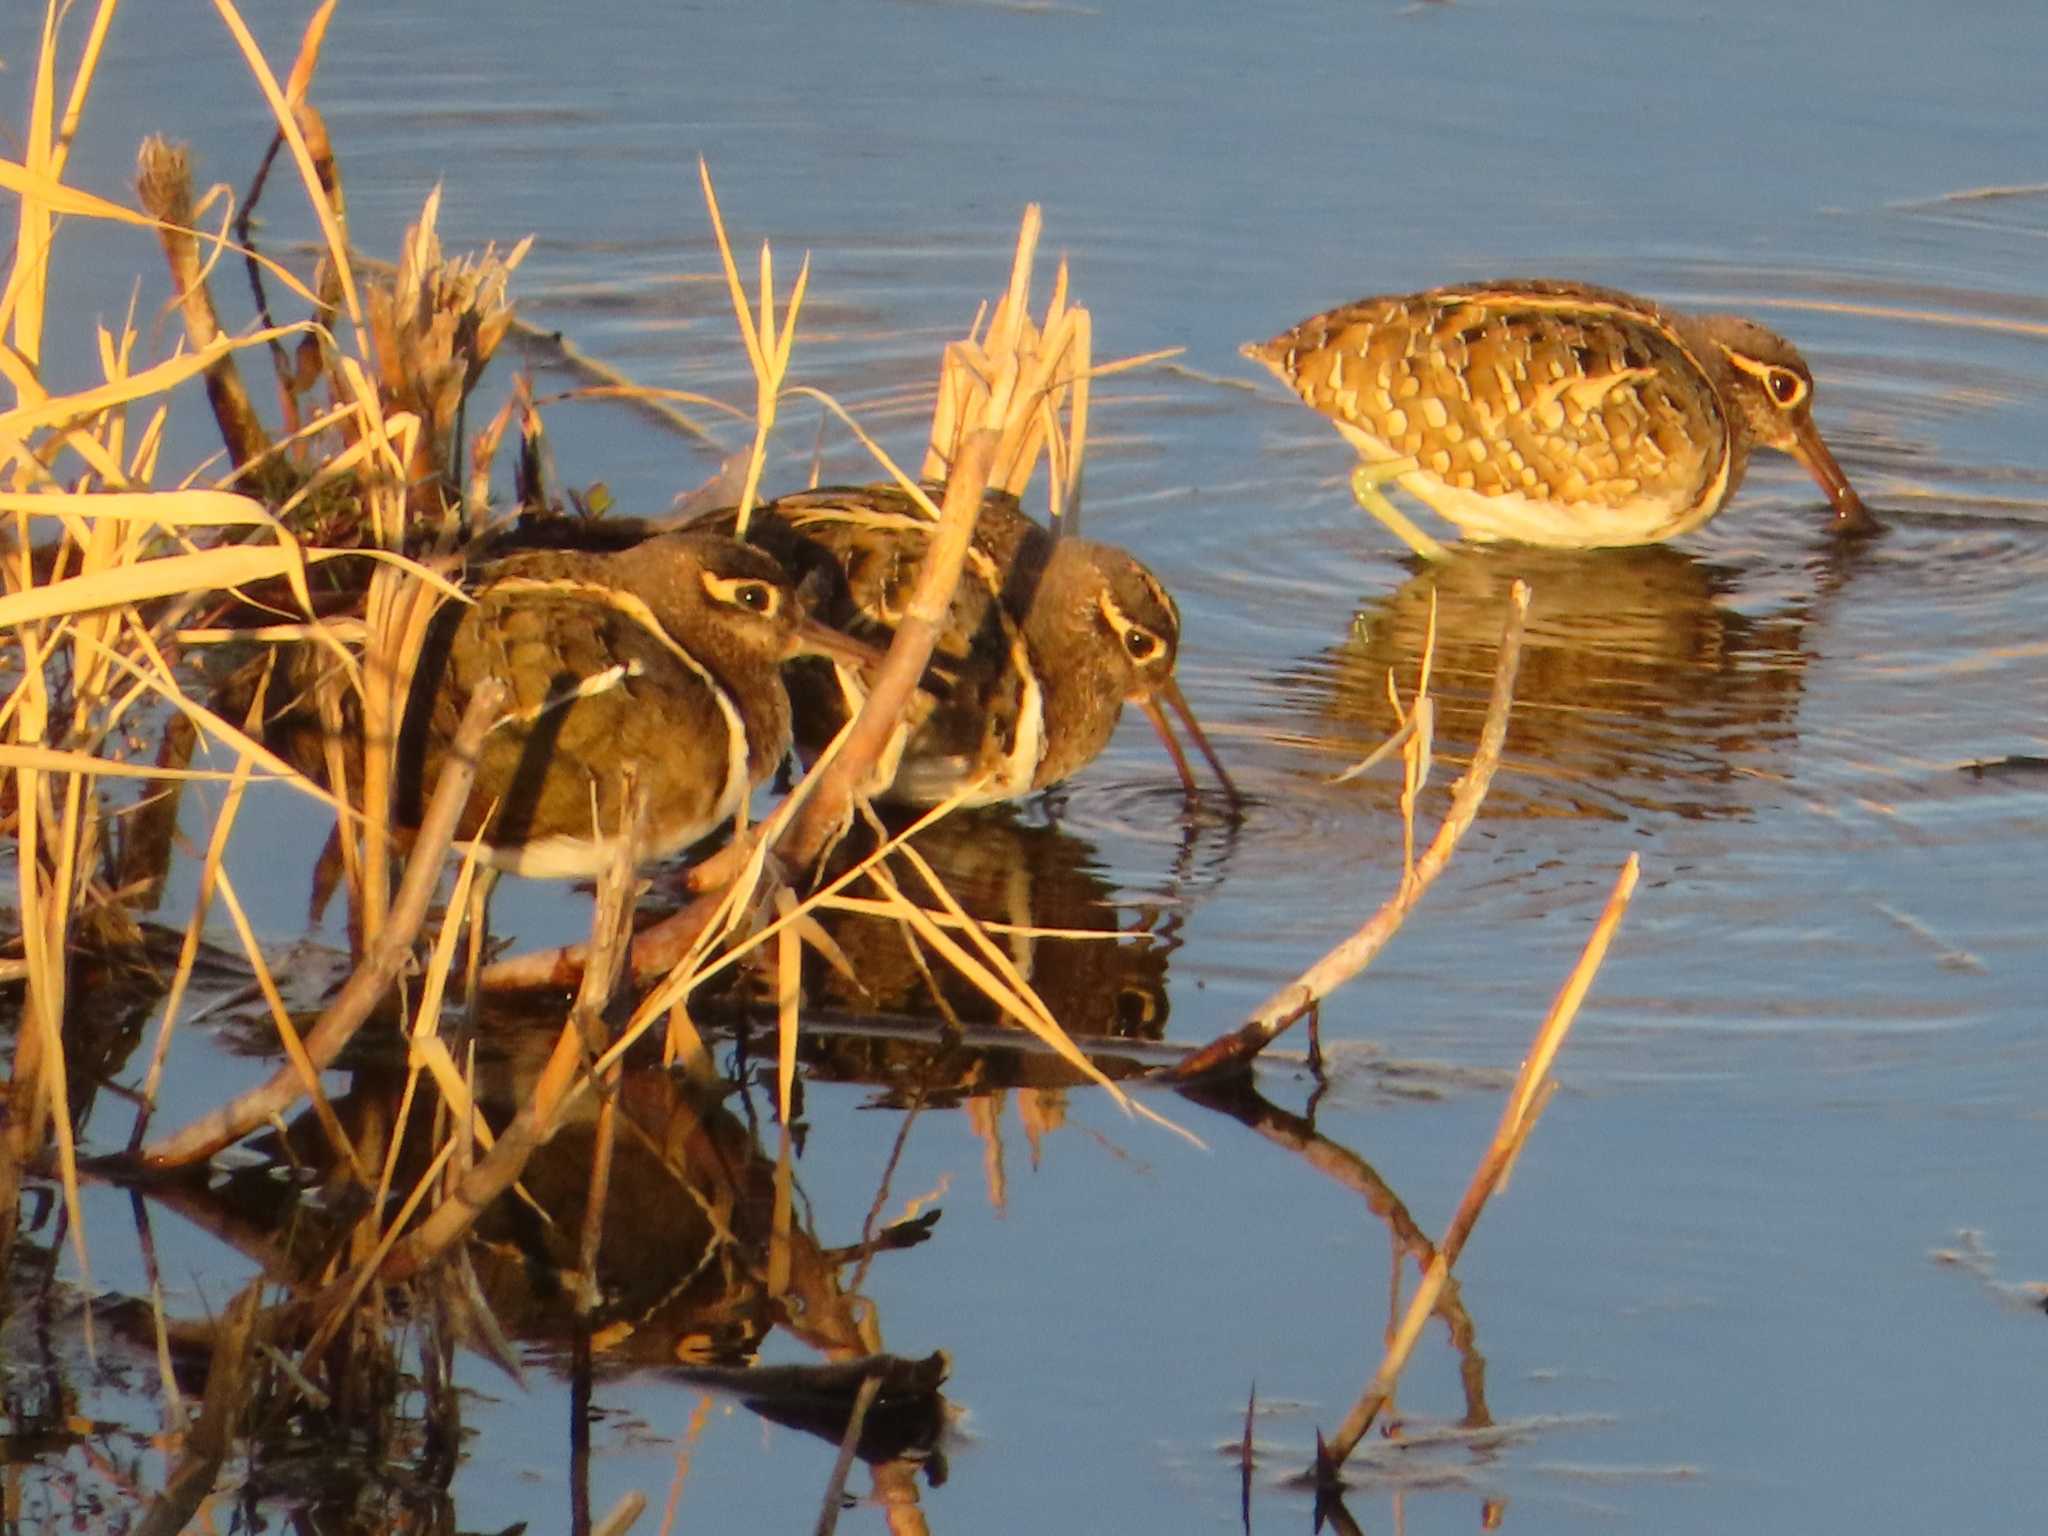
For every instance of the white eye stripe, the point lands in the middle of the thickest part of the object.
(1139, 642)
(752, 594)
(1785, 387)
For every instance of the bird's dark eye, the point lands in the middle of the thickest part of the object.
(1142, 644)
(746, 592)
(1786, 387)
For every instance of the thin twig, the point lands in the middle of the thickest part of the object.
(1234, 1051)
(1524, 1105)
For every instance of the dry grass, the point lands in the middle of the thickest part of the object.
(338, 521)
(365, 461)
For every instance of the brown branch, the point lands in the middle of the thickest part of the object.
(378, 971)
(163, 182)
(1236, 1050)
(831, 799)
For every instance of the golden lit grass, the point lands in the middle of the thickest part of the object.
(376, 461)
(1526, 1101)
(104, 570)
(340, 526)
(369, 465)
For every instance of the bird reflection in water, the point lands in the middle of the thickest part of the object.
(690, 1274)
(897, 1008)
(1642, 688)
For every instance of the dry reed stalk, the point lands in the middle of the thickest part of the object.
(436, 325)
(296, 1055)
(379, 968)
(999, 402)
(624, 1514)
(611, 926)
(1236, 1050)
(86, 658)
(163, 181)
(319, 186)
(427, 1051)
(829, 789)
(849, 1441)
(768, 345)
(1525, 1103)
(398, 611)
(569, 1074)
(890, 691)
(1012, 379)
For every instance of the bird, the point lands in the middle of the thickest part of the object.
(1047, 639)
(654, 670)
(1555, 413)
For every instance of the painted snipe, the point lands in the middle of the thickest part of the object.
(1555, 413)
(1047, 640)
(658, 668)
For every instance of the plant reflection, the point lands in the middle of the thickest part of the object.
(366, 1433)
(1642, 687)
(698, 1304)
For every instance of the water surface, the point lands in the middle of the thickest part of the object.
(1708, 1299)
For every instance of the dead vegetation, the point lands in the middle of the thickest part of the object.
(356, 480)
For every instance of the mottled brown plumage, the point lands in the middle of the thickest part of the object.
(1046, 640)
(658, 667)
(1555, 413)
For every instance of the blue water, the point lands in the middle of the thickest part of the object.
(1707, 1300)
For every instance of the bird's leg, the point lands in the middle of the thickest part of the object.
(479, 933)
(1366, 481)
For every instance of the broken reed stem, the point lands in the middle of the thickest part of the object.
(379, 970)
(1235, 1051)
(163, 184)
(890, 694)
(1524, 1106)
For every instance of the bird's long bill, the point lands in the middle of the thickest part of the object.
(1170, 691)
(815, 639)
(1851, 516)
